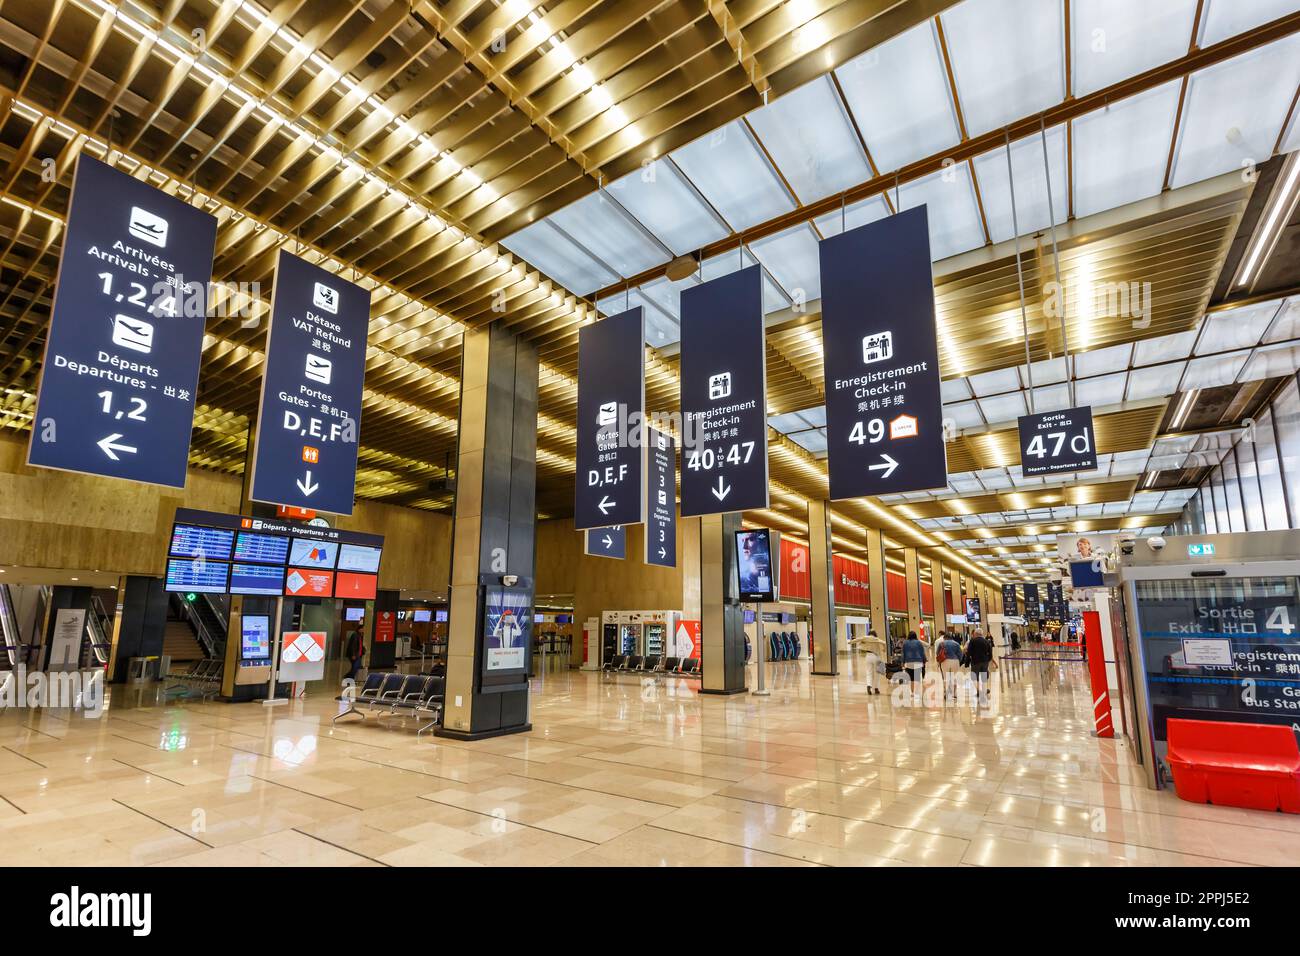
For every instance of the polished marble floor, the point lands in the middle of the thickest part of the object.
(619, 771)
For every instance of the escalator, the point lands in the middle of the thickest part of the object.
(11, 652)
(97, 637)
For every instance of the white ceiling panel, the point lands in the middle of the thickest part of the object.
(728, 168)
(1162, 348)
(999, 380)
(1101, 361)
(1008, 57)
(965, 414)
(542, 246)
(954, 389)
(1120, 151)
(808, 136)
(953, 213)
(1100, 390)
(1287, 324)
(605, 231)
(1004, 408)
(1216, 370)
(658, 196)
(791, 257)
(1031, 186)
(1227, 18)
(1114, 39)
(858, 214)
(1235, 328)
(898, 94)
(1155, 381)
(1235, 110)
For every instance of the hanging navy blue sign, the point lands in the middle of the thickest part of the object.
(606, 542)
(661, 500)
(1055, 442)
(121, 366)
(880, 358)
(310, 413)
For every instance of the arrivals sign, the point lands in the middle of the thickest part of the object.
(661, 503)
(310, 413)
(1009, 605)
(606, 542)
(611, 412)
(724, 395)
(121, 366)
(884, 414)
(1056, 442)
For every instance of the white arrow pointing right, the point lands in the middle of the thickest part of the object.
(662, 552)
(305, 485)
(109, 446)
(722, 490)
(888, 466)
(607, 541)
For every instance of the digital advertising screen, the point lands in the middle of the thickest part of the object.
(354, 614)
(256, 579)
(423, 617)
(192, 541)
(507, 628)
(261, 548)
(255, 637)
(972, 610)
(309, 583)
(199, 576)
(754, 566)
(356, 557)
(313, 554)
(1085, 574)
(359, 586)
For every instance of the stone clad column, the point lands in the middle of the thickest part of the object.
(722, 619)
(822, 577)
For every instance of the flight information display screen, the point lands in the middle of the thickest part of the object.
(262, 548)
(193, 541)
(358, 586)
(356, 557)
(313, 554)
(202, 577)
(256, 579)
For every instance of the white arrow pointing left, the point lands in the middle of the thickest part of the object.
(605, 504)
(305, 485)
(109, 446)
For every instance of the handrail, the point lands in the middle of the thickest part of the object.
(9, 626)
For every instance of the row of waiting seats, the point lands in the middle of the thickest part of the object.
(391, 694)
(653, 664)
(198, 679)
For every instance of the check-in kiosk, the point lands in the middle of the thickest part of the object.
(1212, 633)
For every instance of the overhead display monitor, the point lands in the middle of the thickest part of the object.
(440, 617)
(309, 583)
(661, 500)
(1052, 443)
(611, 401)
(309, 417)
(348, 584)
(263, 579)
(880, 357)
(724, 395)
(423, 616)
(198, 575)
(313, 554)
(1085, 574)
(354, 614)
(754, 569)
(255, 637)
(262, 548)
(125, 337)
(192, 541)
(355, 557)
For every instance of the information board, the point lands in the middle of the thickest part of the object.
(884, 413)
(305, 454)
(1052, 443)
(724, 395)
(611, 412)
(661, 506)
(1010, 605)
(121, 366)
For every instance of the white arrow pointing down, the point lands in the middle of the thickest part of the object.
(888, 466)
(305, 484)
(109, 446)
(722, 490)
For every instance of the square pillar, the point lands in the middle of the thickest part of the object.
(876, 574)
(722, 619)
(912, 569)
(825, 640)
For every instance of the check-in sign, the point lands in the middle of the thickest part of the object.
(724, 395)
(121, 367)
(884, 413)
(611, 412)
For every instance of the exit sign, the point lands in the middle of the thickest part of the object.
(1200, 550)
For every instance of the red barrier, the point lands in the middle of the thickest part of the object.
(1256, 766)
(1097, 674)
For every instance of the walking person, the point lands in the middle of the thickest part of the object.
(949, 658)
(980, 654)
(875, 654)
(354, 651)
(914, 660)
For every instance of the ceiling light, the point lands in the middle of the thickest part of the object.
(1184, 406)
(1283, 199)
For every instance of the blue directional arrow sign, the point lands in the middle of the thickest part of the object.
(607, 542)
(310, 413)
